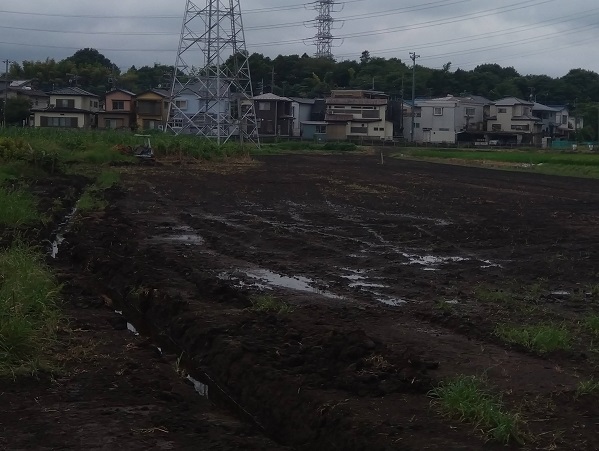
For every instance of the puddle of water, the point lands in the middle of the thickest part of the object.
(389, 300)
(560, 293)
(131, 328)
(367, 285)
(200, 388)
(298, 283)
(62, 228)
(431, 260)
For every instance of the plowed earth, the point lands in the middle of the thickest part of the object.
(382, 267)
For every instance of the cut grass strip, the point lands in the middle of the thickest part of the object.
(93, 197)
(467, 398)
(28, 308)
(542, 338)
(17, 207)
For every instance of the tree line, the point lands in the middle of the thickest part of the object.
(305, 76)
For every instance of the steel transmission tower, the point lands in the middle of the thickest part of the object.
(324, 24)
(211, 93)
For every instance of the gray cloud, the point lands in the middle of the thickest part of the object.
(538, 36)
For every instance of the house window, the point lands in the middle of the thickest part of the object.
(181, 104)
(177, 122)
(525, 127)
(118, 105)
(114, 123)
(321, 129)
(417, 125)
(65, 103)
(470, 111)
(496, 127)
(564, 119)
(437, 111)
(443, 129)
(65, 122)
(264, 106)
(502, 110)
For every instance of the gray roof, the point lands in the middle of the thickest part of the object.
(541, 107)
(511, 101)
(272, 97)
(72, 91)
(121, 90)
(302, 100)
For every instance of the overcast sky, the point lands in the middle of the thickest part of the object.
(536, 37)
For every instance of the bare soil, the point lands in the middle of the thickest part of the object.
(383, 267)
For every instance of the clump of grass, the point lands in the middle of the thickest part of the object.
(107, 179)
(541, 337)
(467, 398)
(587, 387)
(17, 207)
(270, 304)
(29, 314)
(487, 294)
(91, 201)
(592, 324)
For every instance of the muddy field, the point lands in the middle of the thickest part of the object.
(390, 276)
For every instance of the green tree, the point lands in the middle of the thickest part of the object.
(17, 110)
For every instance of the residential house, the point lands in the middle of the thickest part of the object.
(358, 114)
(152, 107)
(273, 115)
(447, 119)
(567, 123)
(24, 89)
(119, 111)
(196, 106)
(512, 121)
(301, 110)
(70, 107)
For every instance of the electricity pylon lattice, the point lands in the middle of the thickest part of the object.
(324, 25)
(211, 93)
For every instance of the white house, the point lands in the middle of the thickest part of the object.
(69, 108)
(196, 106)
(445, 119)
(513, 122)
(357, 114)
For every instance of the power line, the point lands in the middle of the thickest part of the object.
(487, 35)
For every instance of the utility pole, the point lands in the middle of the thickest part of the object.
(272, 80)
(413, 57)
(6, 62)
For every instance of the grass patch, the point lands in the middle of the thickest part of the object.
(467, 398)
(91, 201)
(99, 147)
(29, 314)
(587, 387)
(17, 207)
(541, 338)
(93, 197)
(270, 304)
(487, 294)
(546, 162)
(592, 324)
